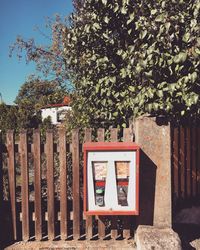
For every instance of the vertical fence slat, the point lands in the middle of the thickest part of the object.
(37, 184)
(188, 153)
(1, 185)
(182, 161)
(114, 219)
(194, 174)
(50, 184)
(63, 183)
(127, 137)
(12, 178)
(89, 218)
(76, 184)
(24, 184)
(176, 161)
(101, 224)
(198, 163)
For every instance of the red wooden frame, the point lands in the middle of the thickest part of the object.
(110, 146)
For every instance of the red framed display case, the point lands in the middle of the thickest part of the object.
(111, 178)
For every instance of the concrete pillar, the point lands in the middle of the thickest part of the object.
(153, 136)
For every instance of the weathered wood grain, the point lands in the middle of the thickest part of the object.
(37, 183)
(24, 184)
(50, 184)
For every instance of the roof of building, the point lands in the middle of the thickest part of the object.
(66, 102)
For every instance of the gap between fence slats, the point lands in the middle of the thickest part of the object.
(37, 184)
(50, 184)
(101, 219)
(76, 184)
(63, 184)
(24, 184)
(89, 218)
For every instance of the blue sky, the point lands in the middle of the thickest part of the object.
(20, 17)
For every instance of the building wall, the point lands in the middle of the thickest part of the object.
(52, 112)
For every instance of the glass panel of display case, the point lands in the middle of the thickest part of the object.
(122, 179)
(99, 177)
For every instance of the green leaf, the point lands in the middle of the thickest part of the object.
(106, 19)
(131, 88)
(105, 35)
(155, 106)
(160, 18)
(186, 37)
(197, 50)
(159, 93)
(116, 8)
(193, 77)
(149, 74)
(181, 57)
(167, 26)
(116, 94)
(182, 112)
(96, 25)
(131, 18)
(113, 79)
(124, 10)
(143, 34)
(153, 12)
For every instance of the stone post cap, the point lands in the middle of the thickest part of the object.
(154, 238)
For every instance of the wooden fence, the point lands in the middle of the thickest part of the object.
(58, 213)
(186, 163)
(46, 188)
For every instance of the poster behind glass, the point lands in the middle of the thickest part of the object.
(122, 178)
(99, 177)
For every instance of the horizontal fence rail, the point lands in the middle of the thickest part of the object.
(45, 177)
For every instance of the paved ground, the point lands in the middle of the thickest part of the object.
(72, 245)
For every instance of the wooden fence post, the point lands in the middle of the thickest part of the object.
(63, 184)
(37, 184)
(188, 168)
(176, 160)
(194, 161)
(101, 224)
(76, 184)
(127, 137)
(50, 184)
(1, 184)
(114, 219)
(198, 161)
(24, 184)
(182, 161)
(12, 178)
(89, 218)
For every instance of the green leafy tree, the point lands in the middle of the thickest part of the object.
(8, 117)
(48, 58)
(32, 96)
(127, 58)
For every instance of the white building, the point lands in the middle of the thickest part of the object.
(56, 112)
